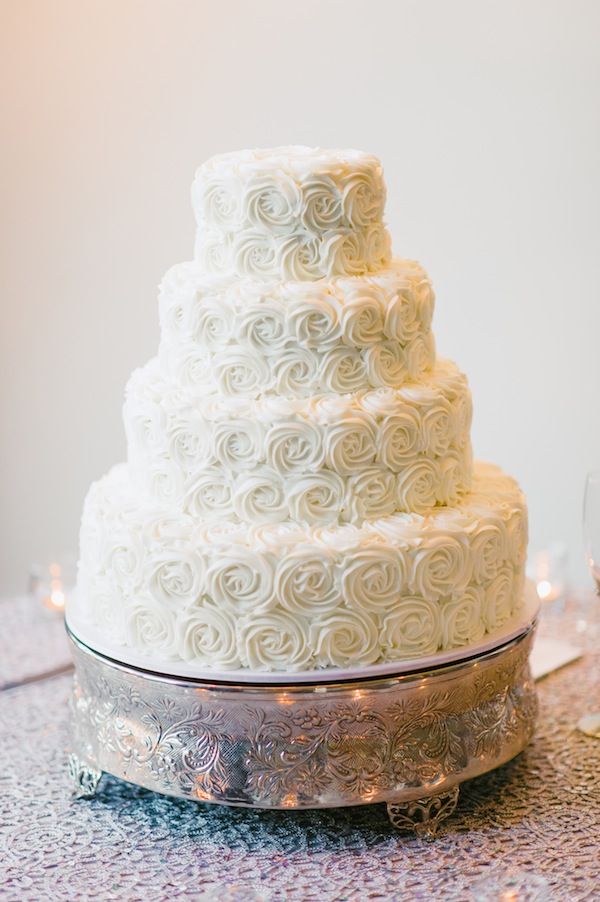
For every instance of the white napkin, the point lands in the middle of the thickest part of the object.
(550, 654)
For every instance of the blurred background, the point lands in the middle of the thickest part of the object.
(486, 117)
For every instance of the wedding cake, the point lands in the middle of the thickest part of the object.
(299, 491)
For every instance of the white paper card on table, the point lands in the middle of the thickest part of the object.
(550, 654)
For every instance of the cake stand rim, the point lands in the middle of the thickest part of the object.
(525, 619)
(316, 687)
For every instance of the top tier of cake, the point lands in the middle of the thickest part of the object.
(291, 213)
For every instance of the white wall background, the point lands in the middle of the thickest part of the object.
(486, 117)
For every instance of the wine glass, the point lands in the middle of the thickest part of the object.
(590, 724)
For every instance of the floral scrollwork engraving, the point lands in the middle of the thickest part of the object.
(309, 746)
(84, 777)
(423, 816)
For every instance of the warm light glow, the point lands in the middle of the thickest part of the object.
(57, 598)
(544, 588)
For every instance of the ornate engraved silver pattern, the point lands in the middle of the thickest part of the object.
(423, 816)
(394, 739)
(85, 779)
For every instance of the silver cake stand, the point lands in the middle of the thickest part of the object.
(408, 740)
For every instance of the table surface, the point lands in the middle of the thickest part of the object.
(535, 821)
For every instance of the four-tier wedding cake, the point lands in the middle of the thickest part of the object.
(299, 491)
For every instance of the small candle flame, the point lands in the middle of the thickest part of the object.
(544, 588)
(55, 600)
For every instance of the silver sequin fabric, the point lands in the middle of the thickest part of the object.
(33, 641)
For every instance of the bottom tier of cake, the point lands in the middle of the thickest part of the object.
(286, 599)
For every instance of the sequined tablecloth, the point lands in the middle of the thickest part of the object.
(32, 642)
(536, 820)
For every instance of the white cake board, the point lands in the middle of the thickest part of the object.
(523, 618)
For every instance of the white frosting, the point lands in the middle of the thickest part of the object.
(291, 212)
(329, 458)
(299, 490)
(296, 339)
(290, 597)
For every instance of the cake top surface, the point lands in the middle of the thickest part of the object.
(297, 159)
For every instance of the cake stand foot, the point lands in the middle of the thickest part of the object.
(84, 777)
(423, 816)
